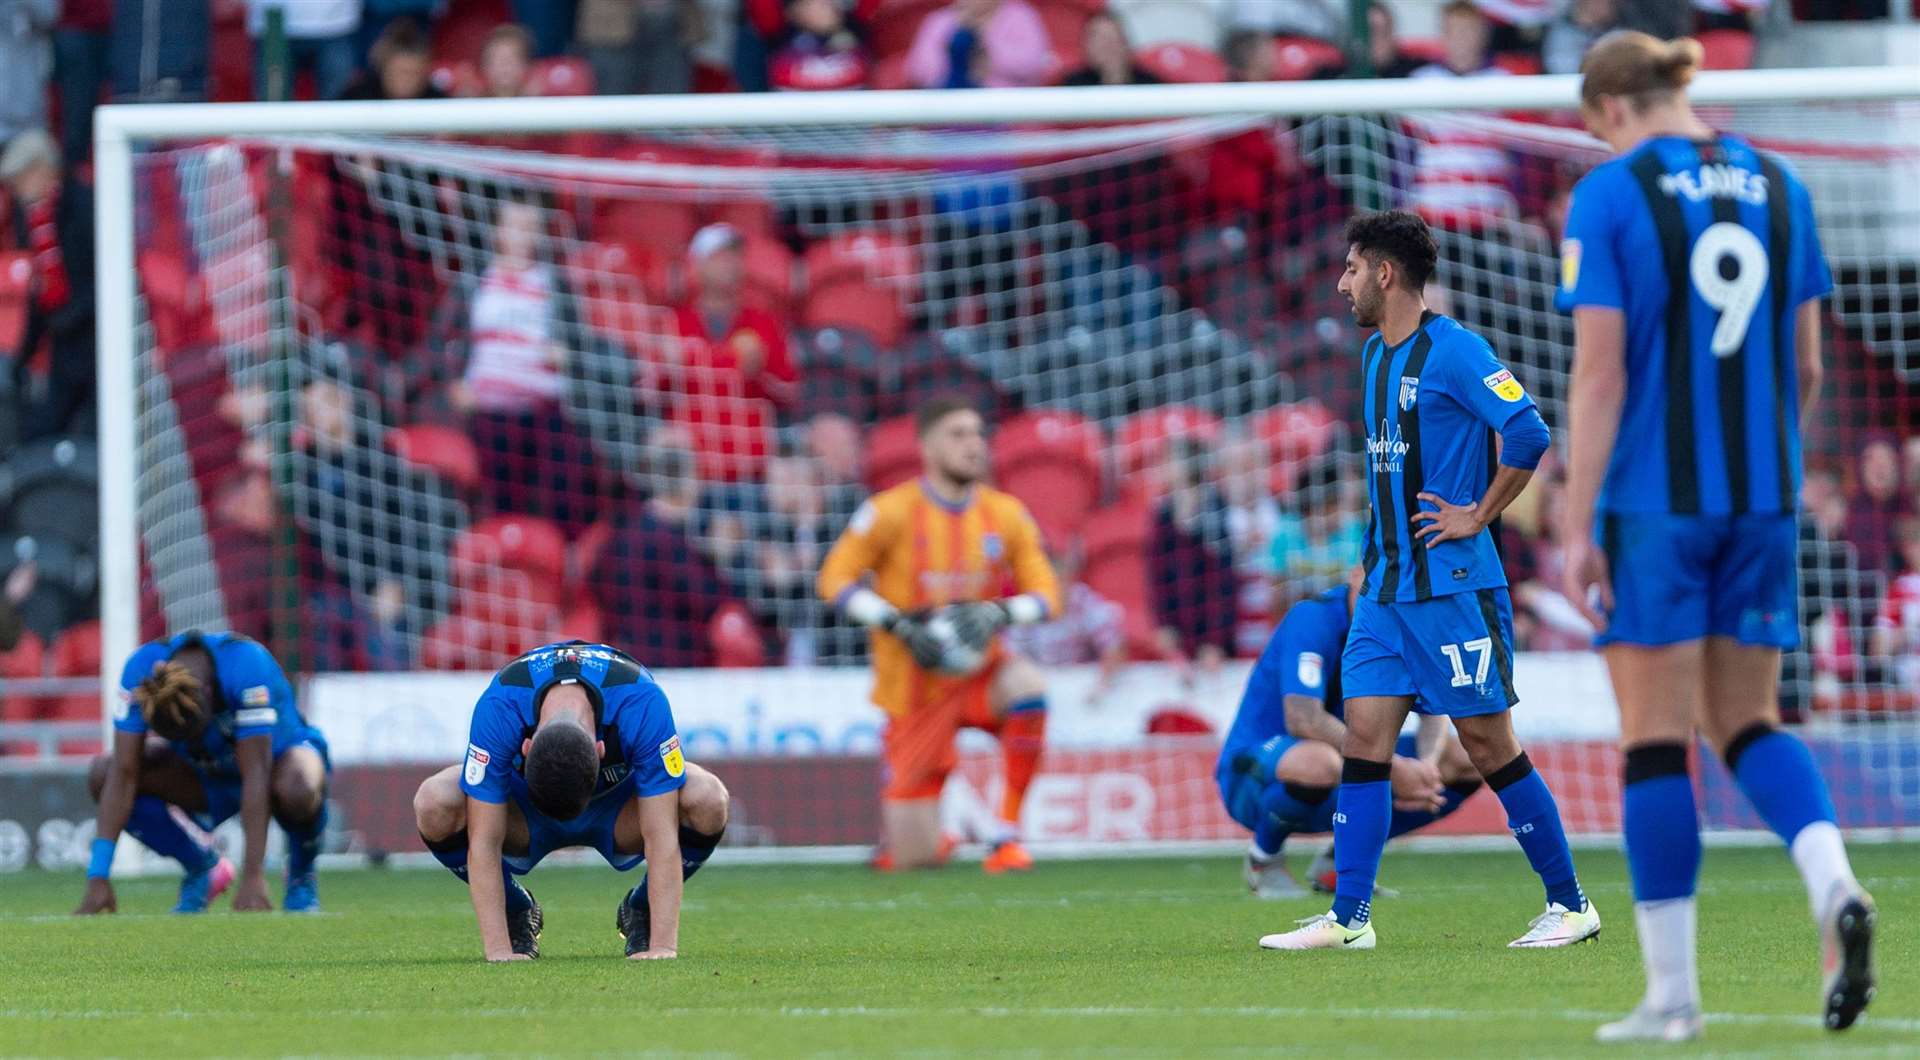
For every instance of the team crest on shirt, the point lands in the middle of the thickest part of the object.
(1409, 392)
(991, 547)
(1504, 385)
(1311, 668)
(671, 757)
(477, 760)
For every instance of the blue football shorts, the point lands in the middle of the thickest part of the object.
(1678, 578)
(593, 828)
(1453, 654)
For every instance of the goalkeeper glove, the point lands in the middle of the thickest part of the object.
(928, 652)
(976, 623)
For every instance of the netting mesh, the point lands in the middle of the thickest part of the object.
(412, 404)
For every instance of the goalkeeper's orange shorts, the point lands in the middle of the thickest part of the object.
(917, 749)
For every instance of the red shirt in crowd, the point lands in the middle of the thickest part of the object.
(726, 388)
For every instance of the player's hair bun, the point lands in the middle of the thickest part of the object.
(1638, 66)
(1683, 59)
(169, 698)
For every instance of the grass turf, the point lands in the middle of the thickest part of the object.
(1108, 957)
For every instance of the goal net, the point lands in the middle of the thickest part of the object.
(405, 405)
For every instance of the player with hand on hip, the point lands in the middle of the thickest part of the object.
(206, 723)
(572, 744)
(1694, 275)
(937, 568)
(1433, 627)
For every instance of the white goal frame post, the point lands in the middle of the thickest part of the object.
(120, 129)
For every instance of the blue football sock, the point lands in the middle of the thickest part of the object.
(1451, 797)
(1778, 775)
(1285, 809)
(303, 842)
(451, 852)
(1535, 822)
(154, 824)
(518, 899)
(1359, 837)
(695, 849)
(1662, 827)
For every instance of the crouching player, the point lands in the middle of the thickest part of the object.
(206, 722)
(572, 745)
(943, 552)
(1281, 761)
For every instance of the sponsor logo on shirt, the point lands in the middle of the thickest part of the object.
(1569, 264)
(257, 696)
(1503, 384)
(251, 717)
(671, 757)
(477, 760)
(1311, 668)
(1386, 449)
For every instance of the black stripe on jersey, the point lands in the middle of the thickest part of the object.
(1731, 372)
(1413, 477)
(1384, 518)
(1779, 252)
(1373, 519)
(1502, 651)
(1683, 477)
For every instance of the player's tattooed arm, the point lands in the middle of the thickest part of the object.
(660, 831)
(255, 755)
(486, 831)
(116, 804)
(1308, 719)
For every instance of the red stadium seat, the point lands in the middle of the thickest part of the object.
(1294, 434)
(27, 659)
(582, 621)
(1518, 63)
(77, 654)
(736, 640)
(870, 306)
(1142, 439)
(1114, 542)
(1178, 721)
(461, 642)
(769, 279)
(508, 596)
(563, 76)
(866, 255)
(889, 74)
(751, 217)
(1727, 49)
(446, 451)
(1179, 62)
(893, 453)
(522, 543)
(16, 297)
(649, 226)
(460, 32)
(1299, 58)
(897, 22)
(1051, 461)
(587, 546)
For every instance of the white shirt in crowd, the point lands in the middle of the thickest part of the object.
(513, 365)
(306, 19)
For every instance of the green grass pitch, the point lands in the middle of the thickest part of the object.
(1096, 957)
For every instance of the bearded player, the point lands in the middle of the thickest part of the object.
(206, 723)
(572, 744)
(937, 568)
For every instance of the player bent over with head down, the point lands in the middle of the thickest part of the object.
(1693, 269)
(572, 745)
(1433, 627)
(1281, 760)
(952, 563)
(206, 722)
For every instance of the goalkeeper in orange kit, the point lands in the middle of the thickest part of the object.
(937, 568)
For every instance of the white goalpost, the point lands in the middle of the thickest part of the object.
(287, 437)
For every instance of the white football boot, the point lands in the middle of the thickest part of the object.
(1321, 932)
(1647, 1024)
(1269, 878)
(1559, 926)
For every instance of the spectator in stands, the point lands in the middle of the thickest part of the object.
(160, 50)
(794, 537)
(734, 370)
(1246, 172)
(321, 38)
(1554, 623)
(506, 62)
(639, 47)
(834, 442)
(653, 582)
(975, 43)
(25, 27)
(1253, 518)
(1089, 629)
(1466, 36)
(1324, 534)
(1190, 561)
(1248, 55)
(821, 49)
(1896, 635)
(1463, 177)
(1383, 44)
(50, 217)
(81, 44)
(1573, 31)
(1833, 592)
(506, 333)
(1109, 55)
(240, 537)
(1320, 19)
(1876, 505)
(401, 65)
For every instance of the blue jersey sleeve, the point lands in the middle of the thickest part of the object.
(1304, 651)
(1812, 277)
(253, 683)
(1590, 269)
(1474, 377)
(651, 742)
(127, 716)
(493, 742)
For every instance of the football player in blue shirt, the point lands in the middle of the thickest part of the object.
(1281, 759)
(1433, 628)
(572, 744)
(1694, 274)
(206, 722)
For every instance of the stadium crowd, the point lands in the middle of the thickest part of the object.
(457, 394)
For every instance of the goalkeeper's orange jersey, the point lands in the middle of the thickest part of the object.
(923, 553)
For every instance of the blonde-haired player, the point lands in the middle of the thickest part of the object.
(936, 568)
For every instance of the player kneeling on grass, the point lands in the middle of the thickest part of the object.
(206, 722)
(572, 745)
(941, 551)
(1281, 760)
